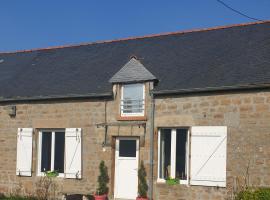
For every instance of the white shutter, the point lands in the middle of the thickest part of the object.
(73, 153)
(208, 155)
(24, 152)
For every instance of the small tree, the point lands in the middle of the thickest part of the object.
(103, 179)
(142, 187)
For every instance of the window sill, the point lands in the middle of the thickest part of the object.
(132, 118)
(60, 175)
(161, 181)
(181, 182)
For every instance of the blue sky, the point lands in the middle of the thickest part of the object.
(37, 23)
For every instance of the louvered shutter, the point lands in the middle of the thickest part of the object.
(73, 153)
(24, 152)
(208, 155)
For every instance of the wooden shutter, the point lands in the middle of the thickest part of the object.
(73, 153)
(24, 152)
(208, 155)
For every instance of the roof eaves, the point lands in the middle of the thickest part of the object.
(211, 89)
(57, 97)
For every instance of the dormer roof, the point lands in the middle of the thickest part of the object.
(132, 71)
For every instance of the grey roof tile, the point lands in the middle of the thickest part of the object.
(218, 58)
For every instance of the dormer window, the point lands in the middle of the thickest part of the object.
(132, 78)
(133, 100)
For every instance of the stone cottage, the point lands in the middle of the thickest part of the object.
(193, 106)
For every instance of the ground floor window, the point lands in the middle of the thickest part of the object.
(51, 151)
(195, 155)
(173, 153)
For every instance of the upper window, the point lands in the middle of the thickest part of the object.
(52, 151)
(132, 100)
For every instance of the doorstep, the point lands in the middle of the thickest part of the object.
(124, 199)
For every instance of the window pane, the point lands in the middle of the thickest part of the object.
(127, 148)
(133, 98)
(181, 153)
(165, 153)
(59, 152)
(46, 151)
(133, 91)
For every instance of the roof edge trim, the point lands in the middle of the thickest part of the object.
(64, 97)
(212, 89)
(134, 81)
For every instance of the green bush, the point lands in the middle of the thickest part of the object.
(254, 194)
(103, 179)
(263, 193)
(245, 195)
(142, 186)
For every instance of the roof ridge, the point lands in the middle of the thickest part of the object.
(137, 37)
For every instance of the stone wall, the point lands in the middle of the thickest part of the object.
(85, 114)
(246, 115)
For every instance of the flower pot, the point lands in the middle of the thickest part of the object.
(142, 198)
(100, 197)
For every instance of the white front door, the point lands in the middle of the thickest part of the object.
(126, 168)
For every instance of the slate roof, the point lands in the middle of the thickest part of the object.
(133, 71)
(219, 58)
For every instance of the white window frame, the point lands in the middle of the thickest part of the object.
(121, 105)
(39, 172)
(173, 154)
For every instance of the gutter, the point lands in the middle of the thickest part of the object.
(161, 92)
(213, 89)
(57, 97)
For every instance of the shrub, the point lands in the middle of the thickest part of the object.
(142, 186)
(245, 195)
(46, 186)
(17, 198)
(103, 179)
(254, 194)
(263, 193)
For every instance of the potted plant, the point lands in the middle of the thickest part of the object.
(142, 186)
(103, 179)
(172, 181)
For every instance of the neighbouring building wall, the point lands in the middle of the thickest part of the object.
(247, 117)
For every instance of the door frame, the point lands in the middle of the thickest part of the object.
(116, 156)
